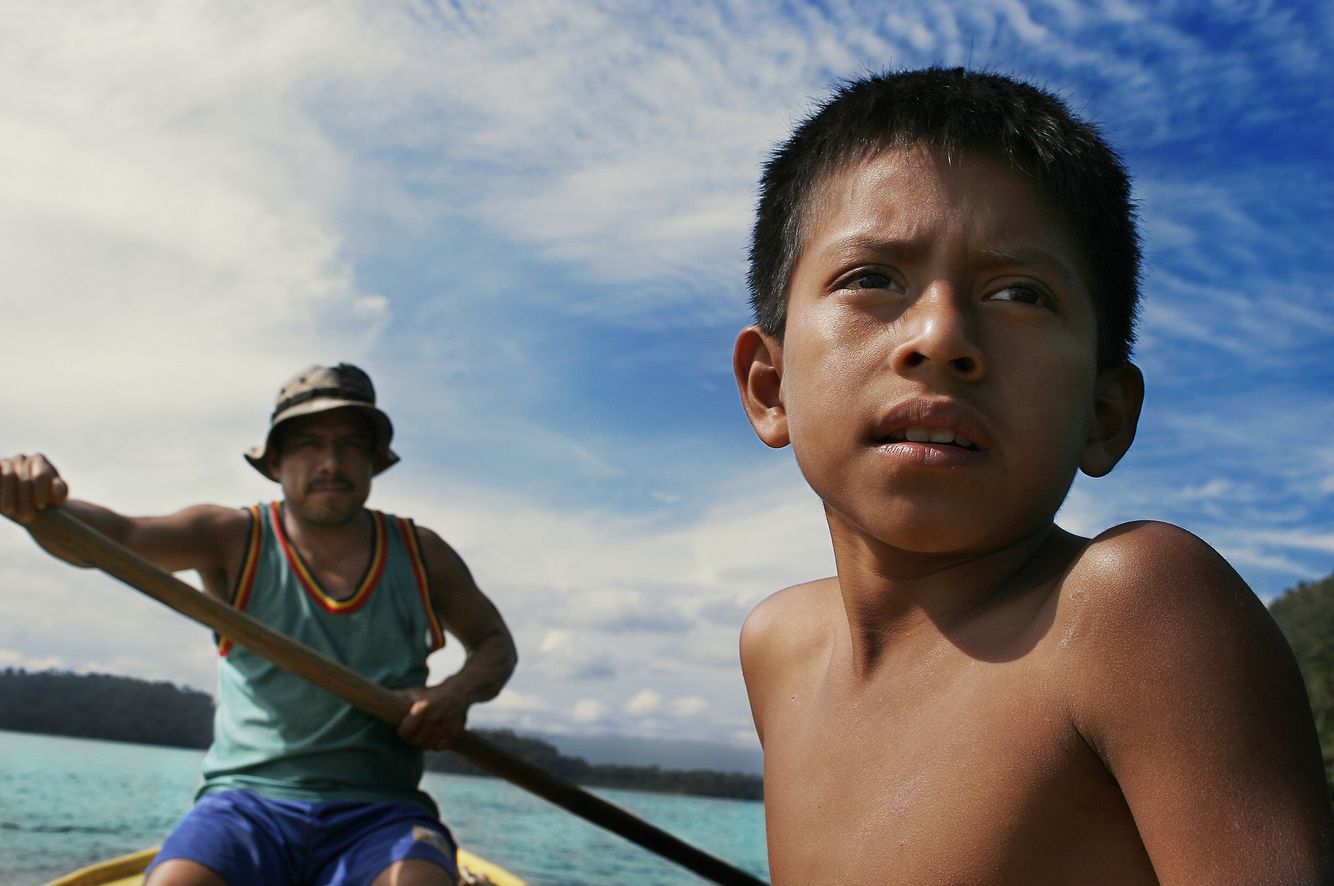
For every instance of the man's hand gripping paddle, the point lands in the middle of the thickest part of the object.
(56, 526)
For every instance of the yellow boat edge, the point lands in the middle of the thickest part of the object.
(128, 870)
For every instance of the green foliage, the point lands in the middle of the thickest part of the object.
(106, 707)
(1306, 616)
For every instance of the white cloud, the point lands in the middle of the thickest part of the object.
(588, 710)
(192, 197)
(689, 706)
(1244, 556)
(171, 247)
(645, 701)
(577, 601)
(12, 658)
(519, 702)
(1322, 542)
(1215, 488)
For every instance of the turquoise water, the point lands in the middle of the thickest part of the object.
(67, 802)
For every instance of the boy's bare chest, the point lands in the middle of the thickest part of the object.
(969, 774)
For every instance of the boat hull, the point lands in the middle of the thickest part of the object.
(128, 870)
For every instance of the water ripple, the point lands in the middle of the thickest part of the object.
(60, 828)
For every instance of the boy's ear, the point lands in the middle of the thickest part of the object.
(1119, 397)
(757, 361)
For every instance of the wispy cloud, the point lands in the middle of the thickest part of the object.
(582, 609)
(529, 219)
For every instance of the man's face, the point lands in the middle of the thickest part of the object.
(938, 368)
(325, 464)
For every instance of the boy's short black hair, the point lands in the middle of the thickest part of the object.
(954, 111)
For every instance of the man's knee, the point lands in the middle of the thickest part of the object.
(415, 872)
(182, 872)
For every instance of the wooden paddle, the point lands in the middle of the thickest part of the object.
(74, 536)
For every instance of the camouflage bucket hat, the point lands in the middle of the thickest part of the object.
(319, 389)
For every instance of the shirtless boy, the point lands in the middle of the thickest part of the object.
(300, 787)
(944, 273)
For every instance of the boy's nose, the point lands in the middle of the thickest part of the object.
(937, 335)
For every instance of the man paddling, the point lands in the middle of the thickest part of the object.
(298, 785)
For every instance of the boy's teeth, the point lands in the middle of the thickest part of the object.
(935, 435)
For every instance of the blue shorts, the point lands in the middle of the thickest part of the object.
(248, 839)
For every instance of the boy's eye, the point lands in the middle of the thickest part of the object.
(1023, 293)
(867, 279)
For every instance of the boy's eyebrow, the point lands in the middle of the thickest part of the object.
(854, 246)
(1028, 257)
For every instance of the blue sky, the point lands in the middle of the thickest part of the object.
(528, 220)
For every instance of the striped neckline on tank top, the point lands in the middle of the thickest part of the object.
(307, 578)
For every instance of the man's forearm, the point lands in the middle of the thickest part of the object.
(104, 520)
(489, 665)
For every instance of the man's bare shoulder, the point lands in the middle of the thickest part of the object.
(224, 527)
(444, 565)
(206, 537)
(213, 517)
(431, 541)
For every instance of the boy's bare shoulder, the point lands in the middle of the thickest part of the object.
(784, 641)
(790, 622)
(1142, 596)
(1152, 576)
(1183, 685)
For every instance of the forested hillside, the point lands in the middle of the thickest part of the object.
(103, 706)
(125, 709)
(1306, 615)
(699, 782)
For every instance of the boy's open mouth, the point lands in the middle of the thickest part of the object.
(939, 436)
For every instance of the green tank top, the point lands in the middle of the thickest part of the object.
(282, 737)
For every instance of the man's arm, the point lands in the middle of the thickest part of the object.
(1184, 686)
(439, 712)
(203, 537)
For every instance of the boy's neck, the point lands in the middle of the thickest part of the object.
(895, 599)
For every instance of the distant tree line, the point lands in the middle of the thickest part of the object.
(126, 709)
(105, 707)
(1305, 613)
(697, 782)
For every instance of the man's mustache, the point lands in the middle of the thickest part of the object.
(341, 484)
